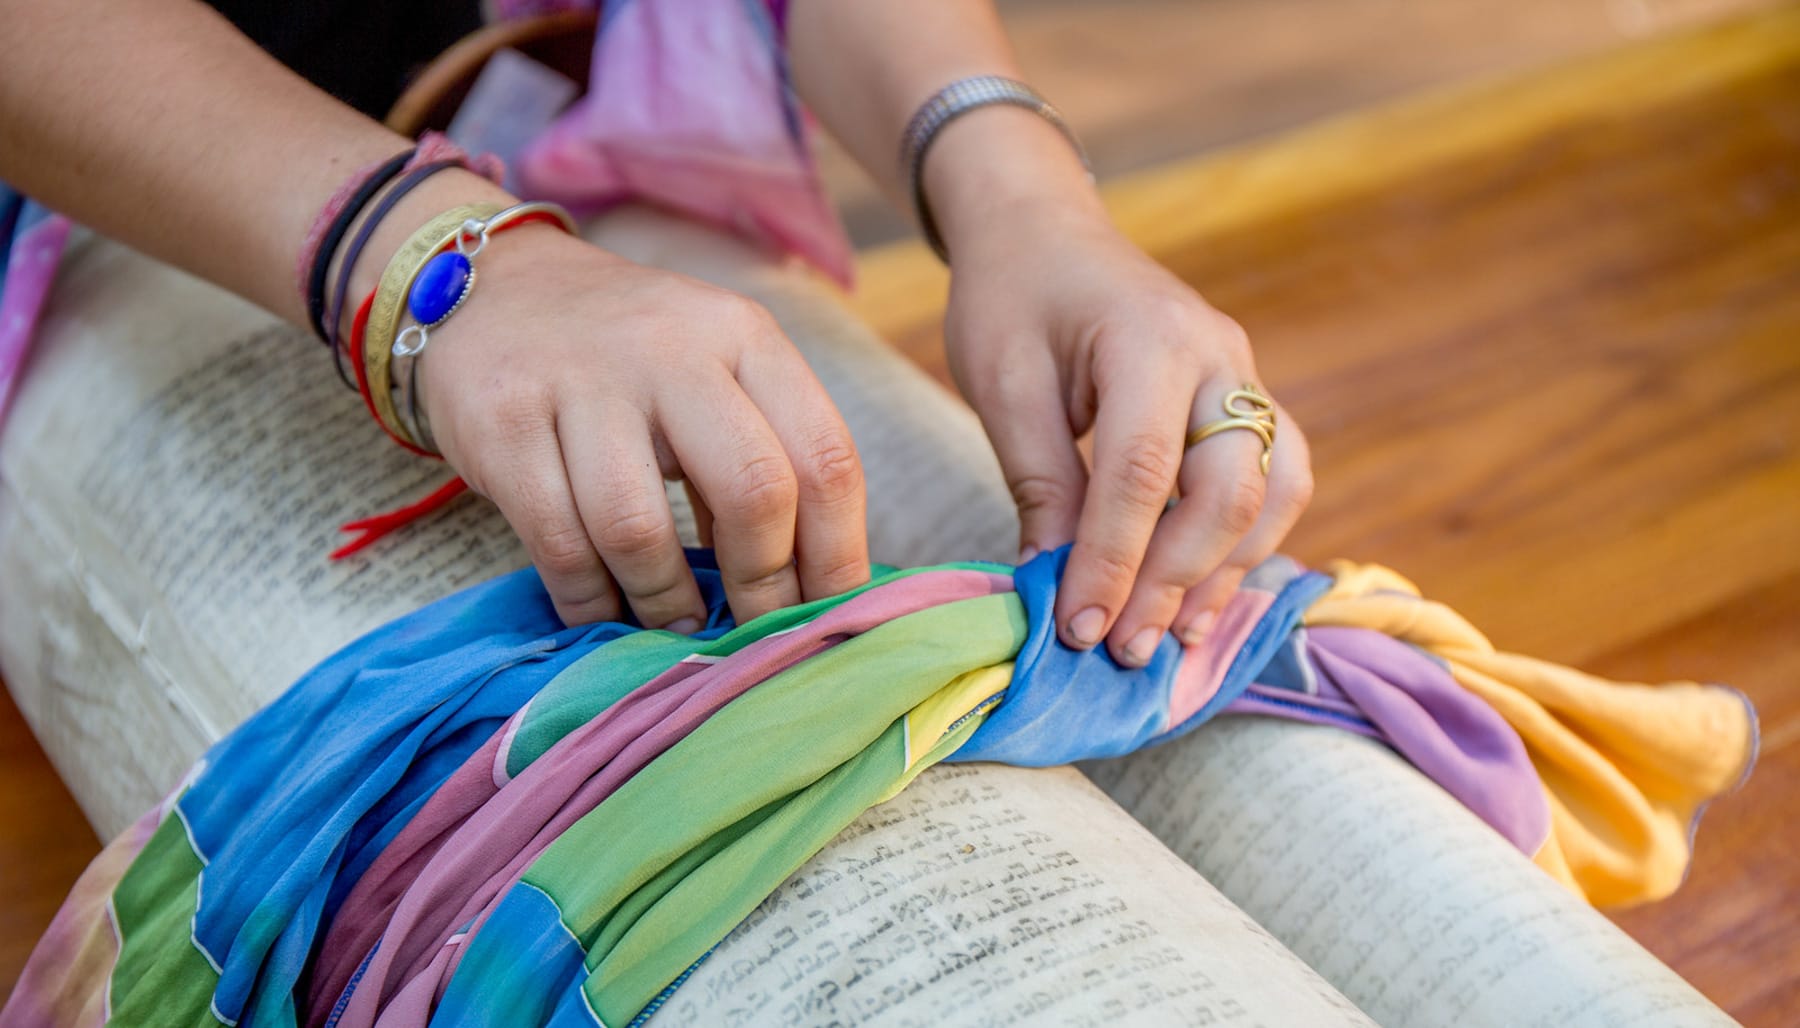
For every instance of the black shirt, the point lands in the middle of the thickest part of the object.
(363, 52)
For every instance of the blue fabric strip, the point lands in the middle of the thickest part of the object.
(1066, 705)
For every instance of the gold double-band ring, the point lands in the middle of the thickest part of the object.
(1246, 408)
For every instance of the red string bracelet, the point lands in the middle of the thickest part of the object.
(370, 529)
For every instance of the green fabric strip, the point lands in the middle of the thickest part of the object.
(160, 968)
(703, 906)
(709, 898)
(600, 679)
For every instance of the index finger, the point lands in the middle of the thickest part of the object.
(1141, 416)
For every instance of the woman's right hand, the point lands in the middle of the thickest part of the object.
(575, 383)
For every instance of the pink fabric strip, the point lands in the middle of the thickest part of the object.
(36, 253)
(1203, 667)
(315, 235)
(688, 107)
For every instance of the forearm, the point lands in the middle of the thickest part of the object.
(864, 66)
(157, 123)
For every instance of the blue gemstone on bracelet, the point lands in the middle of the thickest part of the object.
(440, 288)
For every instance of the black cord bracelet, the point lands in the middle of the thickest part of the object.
(321, 263)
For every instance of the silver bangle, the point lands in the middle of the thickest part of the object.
(952, 102)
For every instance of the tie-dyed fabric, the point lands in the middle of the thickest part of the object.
(475, 815)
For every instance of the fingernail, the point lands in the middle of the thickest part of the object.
(1142, 646)
(685, 626)
(1086, 627)
(1194, 632)
(1027, 553)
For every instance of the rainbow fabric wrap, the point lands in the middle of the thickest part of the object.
(474, 815)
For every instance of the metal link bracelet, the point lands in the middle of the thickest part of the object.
(945, 106)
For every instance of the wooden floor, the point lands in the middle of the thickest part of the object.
(1545, 338)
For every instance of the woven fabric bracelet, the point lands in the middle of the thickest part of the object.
(323, 239)
(346, 267)
(945, 106)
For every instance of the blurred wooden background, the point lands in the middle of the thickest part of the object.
(1146, 81)
(1545, 339)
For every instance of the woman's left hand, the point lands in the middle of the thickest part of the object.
(1058, 325)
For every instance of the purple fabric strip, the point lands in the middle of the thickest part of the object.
(1291, 706)
(1447, 732)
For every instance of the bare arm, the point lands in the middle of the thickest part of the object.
(159, 124)
(865, 66)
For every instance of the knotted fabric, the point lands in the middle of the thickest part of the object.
(475, 814)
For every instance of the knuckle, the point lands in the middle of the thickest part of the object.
(653, 595)
(1144, 472)
(633, 533)
(997, 394)
(764, 488)
(1111, 564)
(1176, 315)
(517, 411)
(744, 314)
(833, 468)
(760, 582)
(1227, 329)
(1297, 494)
(565, 552)
(1164, 590)
(845, 574)
(1238, 504)
(585, 608)
(1013, 367)
(1234, 341)
(1032, 493)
